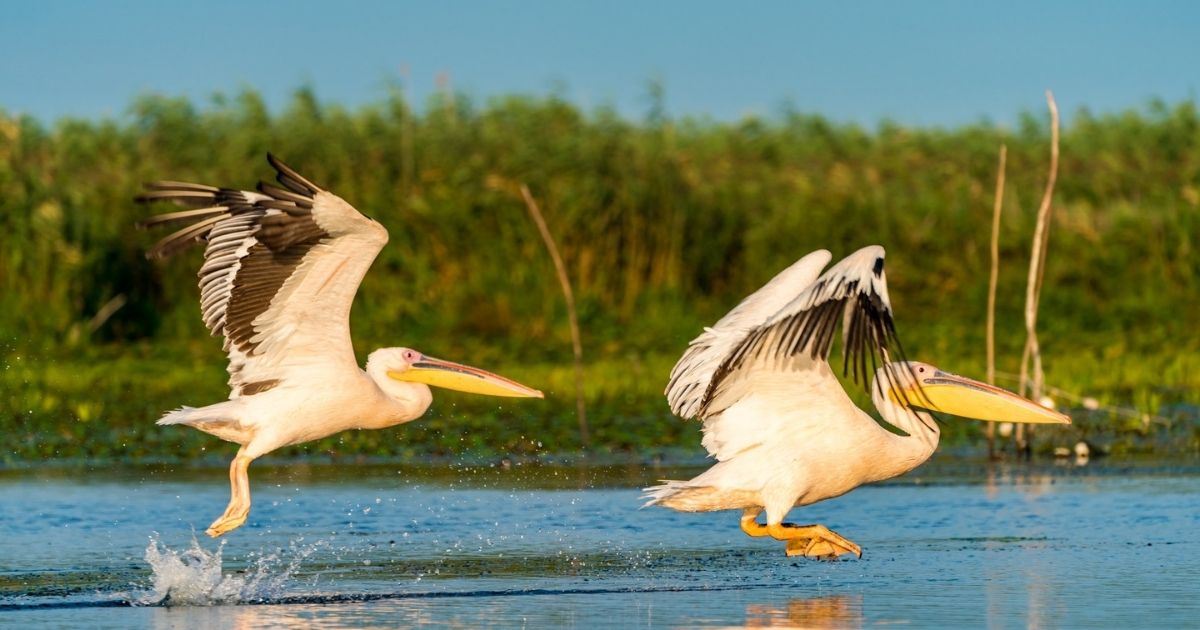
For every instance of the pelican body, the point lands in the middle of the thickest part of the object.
(281, 268)
(779, 423)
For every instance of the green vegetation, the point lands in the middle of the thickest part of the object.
(664, 225)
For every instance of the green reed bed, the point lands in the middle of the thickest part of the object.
(663, 225)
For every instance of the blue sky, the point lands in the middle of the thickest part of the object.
(928, 63)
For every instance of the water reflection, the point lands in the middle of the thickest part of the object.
(255, 617)
(1029, 481)
(835, 611)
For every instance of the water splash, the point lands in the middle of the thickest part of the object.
(194, 576)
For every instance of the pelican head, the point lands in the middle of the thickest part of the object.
(410, 366)
(920, 385)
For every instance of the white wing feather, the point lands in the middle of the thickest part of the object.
(281, 270)
(852, 292)
(729, 358)
(692, 374)
(308, 321)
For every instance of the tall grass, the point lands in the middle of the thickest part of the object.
(663, 223)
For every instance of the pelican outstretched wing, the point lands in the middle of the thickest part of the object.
(281, 268)
(853, 292)
(692, 374)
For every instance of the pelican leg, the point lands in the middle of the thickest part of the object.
(239, 500)
(750, 523)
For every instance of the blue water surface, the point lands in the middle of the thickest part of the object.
(957, 543)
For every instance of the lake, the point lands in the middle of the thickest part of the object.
(957, 543)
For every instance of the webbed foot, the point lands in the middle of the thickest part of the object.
(813, 541)
(232, 519)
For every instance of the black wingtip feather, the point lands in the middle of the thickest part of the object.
(165, 184)
(304, 201)
(294, 181)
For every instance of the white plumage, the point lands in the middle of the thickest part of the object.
(777, 420)
(281, 268)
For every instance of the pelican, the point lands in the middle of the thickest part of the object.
(781, 427)
(281, 267)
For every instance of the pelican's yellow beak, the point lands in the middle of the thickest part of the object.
(463, 378)
(969, 398)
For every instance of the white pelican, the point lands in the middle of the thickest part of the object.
(782, 428)
(281, 267)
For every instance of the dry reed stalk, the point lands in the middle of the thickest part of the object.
(569, 296)
(993, 280)
(109, 309)
(1033, 289)
(442, 82)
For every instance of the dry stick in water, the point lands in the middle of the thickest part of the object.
(993, 280)
(565, 282)
(1037, 267)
